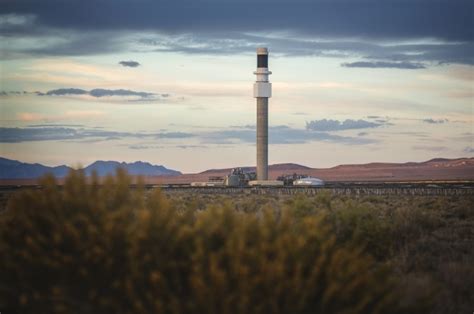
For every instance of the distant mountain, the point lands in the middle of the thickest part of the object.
(104, 168)
(13, 169)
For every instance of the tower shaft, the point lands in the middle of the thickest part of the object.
(262, 138)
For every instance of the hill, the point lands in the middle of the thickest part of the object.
(439, 169)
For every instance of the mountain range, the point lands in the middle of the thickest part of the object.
(15, 172)
(13, 169)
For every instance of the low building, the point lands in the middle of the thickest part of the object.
(308, 182)
(266, 183)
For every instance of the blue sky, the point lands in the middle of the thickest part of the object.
(170, 82)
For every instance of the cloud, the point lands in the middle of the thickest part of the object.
(236, 135)
(384, 65)
(346, 18)
(131, 64)
(146, 146)
(13, 24)
(469, 149)
(191, 146)
(55, 125)
(246, 126)
(415, 134)
(410, 54)
(141, 147)
(228, 136)
(414, 33)
(68, 115)
(464, 137)
(13, 20)
(294, 136)
(18, 135)
(39, 40)
(326, 125)
(99, 92)
(66, 91)
(432, 121)
(277, 135)
(6, 93)
(429, 148)
(176, 135)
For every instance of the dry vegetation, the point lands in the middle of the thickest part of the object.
(86, 248)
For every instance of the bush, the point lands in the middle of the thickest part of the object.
(85, 248)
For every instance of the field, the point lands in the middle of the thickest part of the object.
(109, 248)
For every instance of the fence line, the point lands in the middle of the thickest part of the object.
(415, 191)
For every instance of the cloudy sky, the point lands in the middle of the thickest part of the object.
(170, 82)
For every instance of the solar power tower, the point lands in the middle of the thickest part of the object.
(262, 90)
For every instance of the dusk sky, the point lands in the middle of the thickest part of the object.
(170, 82)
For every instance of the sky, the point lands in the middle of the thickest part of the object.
(171, 82)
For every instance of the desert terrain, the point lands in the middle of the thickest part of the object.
(439, 169)
(461, 169)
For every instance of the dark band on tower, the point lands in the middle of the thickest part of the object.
(262, 61)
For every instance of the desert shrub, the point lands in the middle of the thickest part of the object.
(63, 249)
(362, 223)
(85, 248)
(301, 205)
(420, 237)
(358, 223)
(255, 203)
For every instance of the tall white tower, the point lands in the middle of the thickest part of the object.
(262, 90)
